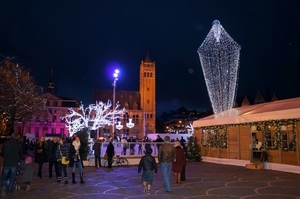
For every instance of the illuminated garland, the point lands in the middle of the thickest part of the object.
(219, 56)
(276, 123)
(93, 117)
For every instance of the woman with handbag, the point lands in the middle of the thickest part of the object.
(62, 157)
(76, 159)
(40, 154)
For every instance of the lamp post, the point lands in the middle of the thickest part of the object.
(114, 99)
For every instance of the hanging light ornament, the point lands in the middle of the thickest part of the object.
(219, 57)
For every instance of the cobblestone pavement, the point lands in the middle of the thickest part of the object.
(204, 180)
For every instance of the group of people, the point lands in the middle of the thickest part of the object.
(54, 152)
(60, 153)
(170, 157)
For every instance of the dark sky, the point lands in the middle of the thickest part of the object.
(84, 40)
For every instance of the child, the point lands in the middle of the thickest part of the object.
(28, 172)
(148, 164)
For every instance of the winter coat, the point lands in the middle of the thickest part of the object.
(177, 166)
(40, 153)
(62, 150)
(97, 148)
(28, 172)
(51, 151)
(72, 155)
(110, 150)
(166, 153)
(11, 152)
(147, 163)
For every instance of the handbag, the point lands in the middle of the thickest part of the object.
(76, 157)
(105, 156)
(64, 159)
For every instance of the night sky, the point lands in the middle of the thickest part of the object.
(83, 41)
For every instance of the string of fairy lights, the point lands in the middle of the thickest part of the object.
(219, 57)
(272, 132)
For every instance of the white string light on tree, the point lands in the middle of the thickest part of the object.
(219, 57)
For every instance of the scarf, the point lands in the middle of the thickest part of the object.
(76, 145)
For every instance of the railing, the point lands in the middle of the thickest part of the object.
(133, 148)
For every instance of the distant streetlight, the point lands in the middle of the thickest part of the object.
(114, 99)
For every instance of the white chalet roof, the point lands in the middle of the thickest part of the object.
(277, 110)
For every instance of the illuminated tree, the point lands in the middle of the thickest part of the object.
(20, 97)
(219, 56)
(93, 117)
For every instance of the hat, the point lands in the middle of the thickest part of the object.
(177, 143)
(167, 138)
(28, 159)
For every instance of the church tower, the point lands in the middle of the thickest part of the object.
(148, 94)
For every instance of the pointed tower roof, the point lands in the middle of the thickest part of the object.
(245, 102)
(274, 98)
(148, 59)
(259, 99)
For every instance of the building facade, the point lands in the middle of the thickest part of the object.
(48, 122)
(140, 105)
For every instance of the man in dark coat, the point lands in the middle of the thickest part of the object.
(11, 153)
(97, 152)
(51, 154)
(110, 150)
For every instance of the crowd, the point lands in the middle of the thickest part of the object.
(62, 152)
(58, 153)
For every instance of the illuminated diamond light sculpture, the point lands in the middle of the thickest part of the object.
(219, 57)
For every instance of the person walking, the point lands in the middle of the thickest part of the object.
(97, 153)
(182, 177)
(63, 150)
(76, 159)
(51, 154)
(166, 156)
(148, 164)
(28, 172)
(110, 150)
(177, 165)
(40, 154)
(11, 152)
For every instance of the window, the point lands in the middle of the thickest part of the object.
(205, 137)
(148, 89)
(288, 138)
(271, 138)
(62, 130)
(214, 138)
(54, 118)
(135, 119)
(55, 103)
(144, 74)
